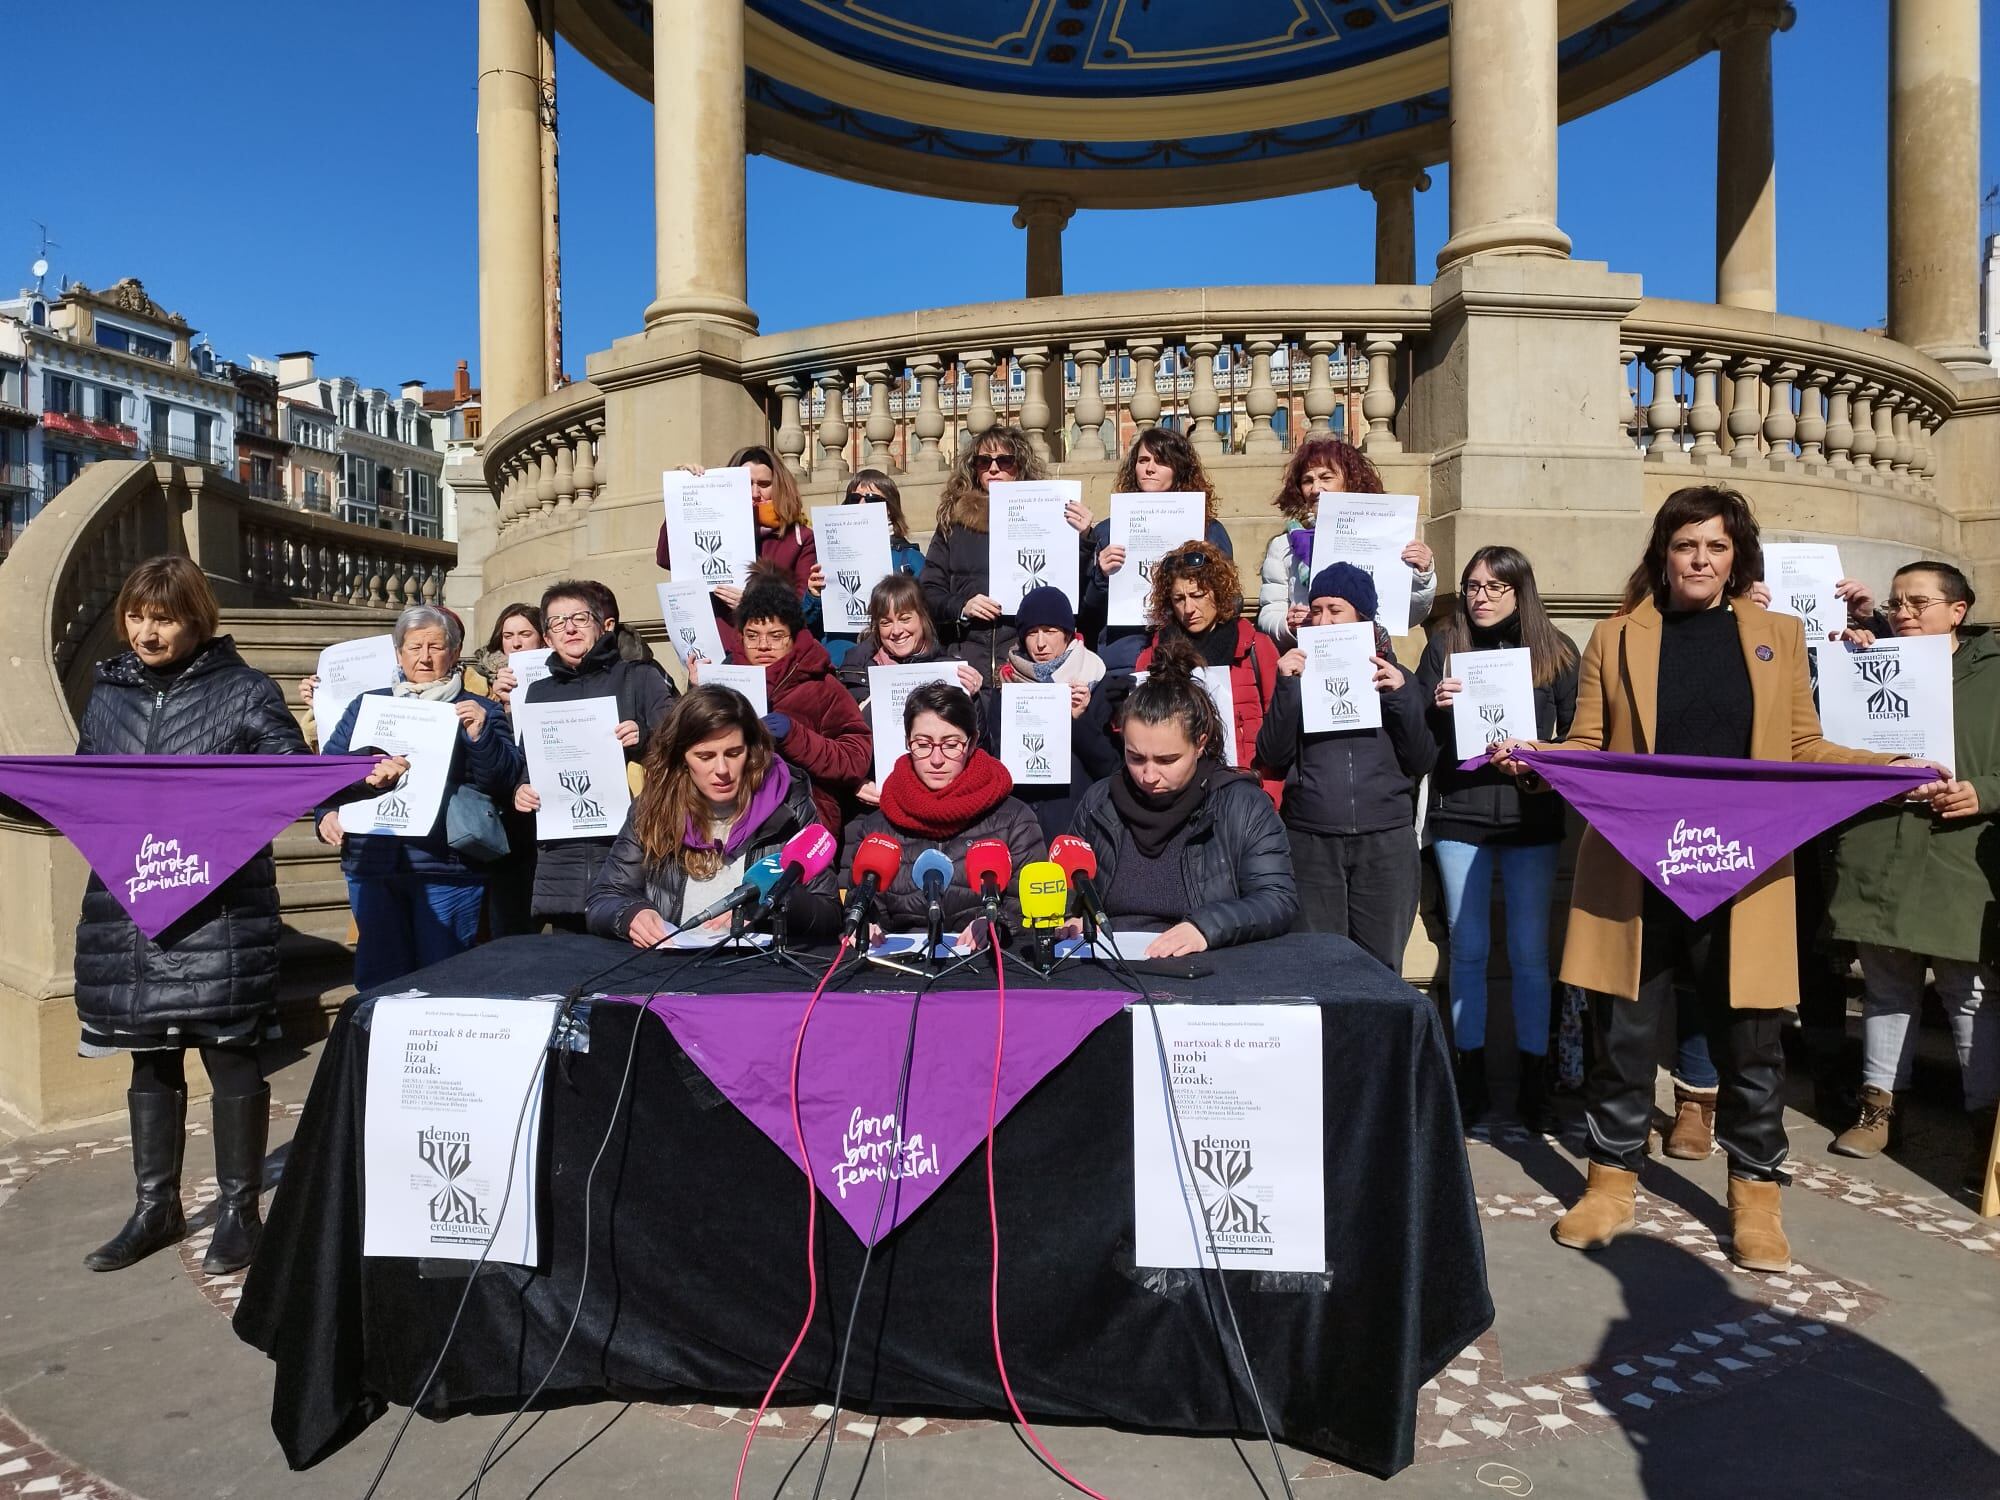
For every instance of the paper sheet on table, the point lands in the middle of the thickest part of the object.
(852, 543)
(690, 621)
(1130, 945)
(711, 526)
(1035, 732)
(1498, 701)
(346, 670)
(1371, 532)
(1801, 576)
(1894, 697)
(1337, 688)
(888, 688)
(1030, 543)
(576, 765)
(426, 732)
(1148, 527)
(749, 681)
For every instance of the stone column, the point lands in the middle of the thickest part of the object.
(1043, 215)
(512, 313)
(1394, 188)
(1934, 179)
(1503, 130)
(698, 150)
(1746, 178)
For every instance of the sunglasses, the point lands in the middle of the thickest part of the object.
(995, 461)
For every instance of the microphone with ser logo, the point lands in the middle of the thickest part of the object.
(1044, 904)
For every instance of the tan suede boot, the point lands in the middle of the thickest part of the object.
(1604, 1211)
(1869, 1134)
(1756, 1233)
(1692, 1137)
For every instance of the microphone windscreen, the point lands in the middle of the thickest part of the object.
(1074, 855)
(1044, 893)
(988, 859)
(880, 856)
(931, 862)
(812, 849)
(764, 874)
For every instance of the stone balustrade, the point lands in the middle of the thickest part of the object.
(297, 555)
(542, 461)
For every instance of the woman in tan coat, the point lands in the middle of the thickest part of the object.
(1690, 665)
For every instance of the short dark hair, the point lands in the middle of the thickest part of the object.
(603, 603)
(1957, 588)
(1690, 507)
(769, 598)
(948, 701)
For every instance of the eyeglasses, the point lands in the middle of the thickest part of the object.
(994, 461)
(1473, 589)
(952, 746)
(572, 622)
(1916, 604)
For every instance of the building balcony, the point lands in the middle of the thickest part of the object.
(110, 434)
(209, 455)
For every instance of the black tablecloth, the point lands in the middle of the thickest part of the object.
(697, 1285)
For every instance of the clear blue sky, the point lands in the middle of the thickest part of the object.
(302, 176)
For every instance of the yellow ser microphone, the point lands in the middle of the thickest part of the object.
(1044, 894)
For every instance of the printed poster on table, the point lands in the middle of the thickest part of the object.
(346, 670)
(749, 681)
(1371, 532)
(1337, 688)
(711, 526)
(425, 732)
(690, 620)
(1034, 732)
(1031, 545)
(576, 765)
(1894, 697)
(1498, 700)
(1248, 1184)
(1222, 693)
(1148, 527)
(853, 547)
(528, 666)
(446, 1141)
(888, 689)
(1801, 576)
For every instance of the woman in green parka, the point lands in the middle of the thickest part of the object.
(1919, 887)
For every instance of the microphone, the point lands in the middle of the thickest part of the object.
(1044, 894)
(876, 862)
(806, 854)
(987, 868)
(1079, 864)
(932, 873)
(756, 881)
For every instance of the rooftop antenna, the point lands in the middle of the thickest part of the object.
(40, 269)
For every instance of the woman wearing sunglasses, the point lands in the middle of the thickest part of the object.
(956, 573)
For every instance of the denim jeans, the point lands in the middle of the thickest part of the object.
(1528, 881)
(1892, 982)
(407, 922)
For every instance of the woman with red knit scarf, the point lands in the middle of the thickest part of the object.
(946, 794)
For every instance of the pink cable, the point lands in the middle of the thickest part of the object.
(993, 1218)
(812, 1221)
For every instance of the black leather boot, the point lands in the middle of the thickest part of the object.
(159, 1131)
(242, 1128)
(1531, 1096)
(1470, 1074)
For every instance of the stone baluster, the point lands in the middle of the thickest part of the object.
(1745, 421)
(1663, 413)
(1034, 362)
(1906, 447)
(791, 437)
(1319, 400)
(1628, 364)
(1885, 431)
(1704, 416)
(545, 481)
(1923, 457)
(583, 472)
(1781, 424)
(833, 424)
(1145, 402)
(1089, 357)
(1812, 417)
(565, 450)
(880, 429)
(1203, 402)
(929, 425)
(979, 413)
(1378, 402)
(1840, 422)
(1261, 400)
(1864, 428)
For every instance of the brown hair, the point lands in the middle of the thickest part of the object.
(784, 489)
(174, 587)
(1357, 474)
(899, 529)
(526, 612)
(671, 801)
(1173, 692)
(897, 592)
(1174, 450)
(1202, 563)
(1957, 588)
(603, 603)
(963, 502)
(1550, 652)
(1690, 507)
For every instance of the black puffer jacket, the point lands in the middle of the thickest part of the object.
(565, 868)
(1237, 855)
(902, 907)
(627, 882)
(1484, 806)
(957, 566)
(219, 963)
(1353, 780)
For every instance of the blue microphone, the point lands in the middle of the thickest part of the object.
(932, 873)
(757, 883)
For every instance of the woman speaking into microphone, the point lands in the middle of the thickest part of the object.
(1690, 665)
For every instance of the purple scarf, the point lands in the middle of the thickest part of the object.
(766, 800)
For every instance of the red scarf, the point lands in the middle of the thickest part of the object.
(915, 808)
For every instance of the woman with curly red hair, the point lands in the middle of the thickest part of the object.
(1322, 466)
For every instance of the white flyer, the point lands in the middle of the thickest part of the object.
(346, 670)
(711, 526)
(1035, 732)
(1337, 688)
(577, 766)
(427, 733)
(1498, 700)
(1247, 1186)
(749, 681)
(1371, 532)
(1148, 527)
(1801, 576)
(853, 546)
(888, 689)
(1030, 544)
(528, 666)
(690, 620)
(1221, 692)
(451, 1135)
(1895, 696)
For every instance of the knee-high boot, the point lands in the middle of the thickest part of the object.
(159, 1132)
(242, 1128)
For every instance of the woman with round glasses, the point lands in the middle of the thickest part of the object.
(946, 794)
(957, 574)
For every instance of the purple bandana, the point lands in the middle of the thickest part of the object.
(1701, 829)
(766, 800)
(850, 1066)
(163, 831)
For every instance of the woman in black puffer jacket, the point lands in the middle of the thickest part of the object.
(210, 979)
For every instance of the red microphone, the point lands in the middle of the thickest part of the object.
(1079, 863)
(876, 862)
(988, 868)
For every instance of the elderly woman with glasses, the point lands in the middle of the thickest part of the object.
(417, 900)
(956, 572)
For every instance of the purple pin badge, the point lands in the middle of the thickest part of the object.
(1763, 653)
